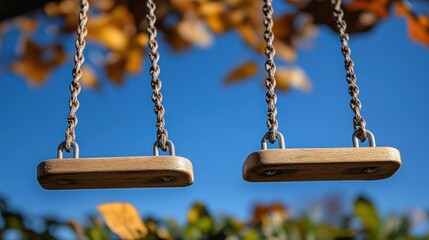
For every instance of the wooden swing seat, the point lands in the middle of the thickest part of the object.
(315, 164)
(117, 172)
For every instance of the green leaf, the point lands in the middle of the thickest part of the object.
(367, 213)
(97, 231)
(251, 235)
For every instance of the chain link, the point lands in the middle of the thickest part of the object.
(77, 75)
(359, 123)
(162, 134)
(270, 67)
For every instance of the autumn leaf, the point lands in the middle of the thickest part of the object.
(38, 61)
(89, 78)
(134, 60)
(211, 8)
(379, 7)
(26, 24)
(110, 36)
(242, 72)
(292, 77)
(194, 31)
(115, 68)
(418, 26)
(123, 219)
(285, 51)
(248, 34)
(264, 214)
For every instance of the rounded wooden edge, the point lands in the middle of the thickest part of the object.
(175, 163)
(253, 160)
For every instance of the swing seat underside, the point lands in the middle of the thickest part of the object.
(117, 172)
(316, 164)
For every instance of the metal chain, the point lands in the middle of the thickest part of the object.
(162, 134)
(359, 123)
(77, 75)
(270, 67)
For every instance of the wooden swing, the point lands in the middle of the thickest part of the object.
(277, 165)
(115, 172)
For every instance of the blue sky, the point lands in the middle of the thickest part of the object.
(217, 126)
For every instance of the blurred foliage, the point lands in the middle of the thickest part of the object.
(118, 27)
(273, 221)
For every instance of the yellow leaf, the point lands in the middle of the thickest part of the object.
(242, 72)
(248, 33)
(292, 77)
(111, 36)
(194, 31)
(134, 60)
(141, 39)
(211, 8)
(123, 219)
(88, 78)
(215, 23)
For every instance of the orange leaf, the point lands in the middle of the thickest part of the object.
(266, 214)
(242, 72)
(123, 219)
(418, 27)
(26, 24)
(285, 51)
(401, 9)
(115, 69)
(38, 61)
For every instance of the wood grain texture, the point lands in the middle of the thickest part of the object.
(315, 164)
(118, 172)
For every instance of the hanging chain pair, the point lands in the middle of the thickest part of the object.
(75, 87)
(270, 81)
(359, 123)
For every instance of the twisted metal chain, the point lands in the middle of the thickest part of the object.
(75, 87)
(162, 134)
(270, 67)
(359, 123)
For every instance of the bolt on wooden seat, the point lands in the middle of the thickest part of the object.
(115, 172)
(278, 165)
